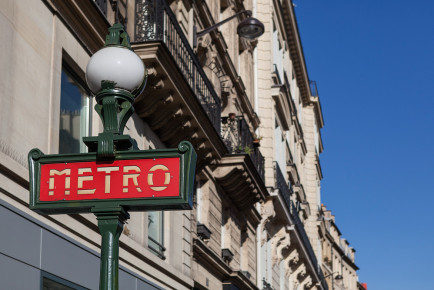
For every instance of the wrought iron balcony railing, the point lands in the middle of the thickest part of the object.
(155, 22)
(285, 189)
(102, 5)
(286, 192)
(156, 247)
(238, 139)
(305, 239)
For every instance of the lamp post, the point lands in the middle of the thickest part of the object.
(250, 28)
(116, 75)
(98, 181)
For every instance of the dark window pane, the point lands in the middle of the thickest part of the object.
(51, 282)
(155, 233)
(48, 284)
(74, 114)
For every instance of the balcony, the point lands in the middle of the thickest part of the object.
(241, 173)
(238, 139)
(299, 227)
(178, 94)
(285, 190)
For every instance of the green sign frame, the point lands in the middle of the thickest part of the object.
(184, 201)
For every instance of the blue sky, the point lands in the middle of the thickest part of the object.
(374, 65)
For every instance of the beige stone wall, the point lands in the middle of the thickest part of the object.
(311, 178)
(249, 251)
(215, 217)
(265, 107)
(34, 44)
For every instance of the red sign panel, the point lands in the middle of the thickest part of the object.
(120, 179)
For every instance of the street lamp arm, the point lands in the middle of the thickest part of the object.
(330, 275)
(213, 27)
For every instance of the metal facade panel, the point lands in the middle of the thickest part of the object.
(142, 285)
(20, 239)
(15, 275)
(64, 259)
(127, 281)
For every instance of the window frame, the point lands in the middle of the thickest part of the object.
(70, 68)
(59, 280)
(160, 244)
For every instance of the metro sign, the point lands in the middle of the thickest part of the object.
(138, 180)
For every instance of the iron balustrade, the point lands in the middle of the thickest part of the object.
(285, 189)
(238, 139)
(161, 249)
(155, 22)
(299, 226)
(102, 5)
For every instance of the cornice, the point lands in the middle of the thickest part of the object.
(295, 47)
(344, 256)
(238, 177)
(83, 19)
(318, 110)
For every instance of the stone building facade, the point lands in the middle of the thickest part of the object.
(338, 257)
(248, 107)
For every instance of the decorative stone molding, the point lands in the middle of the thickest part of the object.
(307, 283)
(300, 272)
(290, 261)
(279, 242)
(203, 42)
(283, 246)
(267, 212)
(240, 180)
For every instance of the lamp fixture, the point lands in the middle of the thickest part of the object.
(250, 28)
(116, 75)
(338, 277)
(117, 63)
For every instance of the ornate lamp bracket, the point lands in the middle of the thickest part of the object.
(117, 36)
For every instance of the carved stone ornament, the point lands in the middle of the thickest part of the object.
(299, 273)
(279, 242)
(307, 283)
(204, 41)
(268, 213)
(290, 261)
(282, 246)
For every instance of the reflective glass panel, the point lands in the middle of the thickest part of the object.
(74, 114)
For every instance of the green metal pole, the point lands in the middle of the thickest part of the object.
(110, 223)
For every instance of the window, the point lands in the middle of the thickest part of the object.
(51, 282)
(75, 113)
(155, 233)
(279, 143)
